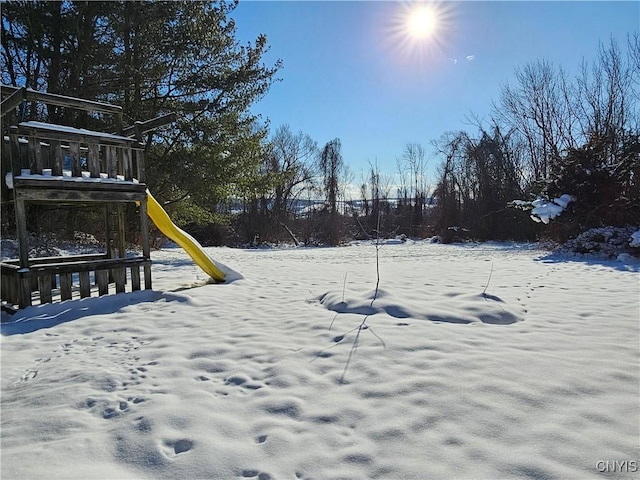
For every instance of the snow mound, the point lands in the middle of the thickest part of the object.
(607, 243)
(449, 307)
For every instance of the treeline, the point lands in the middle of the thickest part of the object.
(548, 135)
(226, 178)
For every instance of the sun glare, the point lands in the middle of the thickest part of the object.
(421, 22)
(419, 30)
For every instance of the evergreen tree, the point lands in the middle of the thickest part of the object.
(606, 183)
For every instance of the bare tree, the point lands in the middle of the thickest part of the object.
(413, 161)
(537, 107)
(331, 167)
(605, 94)
(477, 179)
(402, 191)
(291, 158)
(633, 42)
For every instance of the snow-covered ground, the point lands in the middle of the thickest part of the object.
(535, 375)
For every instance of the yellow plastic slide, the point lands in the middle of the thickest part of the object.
(182, 238)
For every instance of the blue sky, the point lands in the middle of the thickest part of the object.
(350, 69)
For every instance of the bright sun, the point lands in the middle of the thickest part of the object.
(419, 30)
(421, 22)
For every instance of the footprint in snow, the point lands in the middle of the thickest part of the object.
(242, 380)
(250, 473)
(28, 375)
(172, 448)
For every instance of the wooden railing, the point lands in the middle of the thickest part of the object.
(54, 150)
(14, 96)
(57, 278)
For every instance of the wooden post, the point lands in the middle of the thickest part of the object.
(120, 160)
(35, 161)
(120, 275)
(121, 231)
(102, 279)
(118, 120)
(12, 288)
(93, 160)
(140, 164)
(57, 159)
(15, 290)
(45, 155)
(135, 278)
(126, 160)
(66, 284)
(147, 277)
(108, 230)
(21, 227)
(85, 285)
(5, 287)
(103, 157)
(146, 250)
(112, 158)
(14, 151)
(25, 291)
(44, 286)
(74, 153)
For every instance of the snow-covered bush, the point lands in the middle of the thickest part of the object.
(542, 209)
(604, 242)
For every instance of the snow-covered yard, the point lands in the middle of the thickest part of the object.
(261, 378)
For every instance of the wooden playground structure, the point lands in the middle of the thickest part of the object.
(60, 165)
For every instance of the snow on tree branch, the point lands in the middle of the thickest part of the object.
(542, 209)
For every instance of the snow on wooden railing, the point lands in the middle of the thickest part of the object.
(55, 150)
